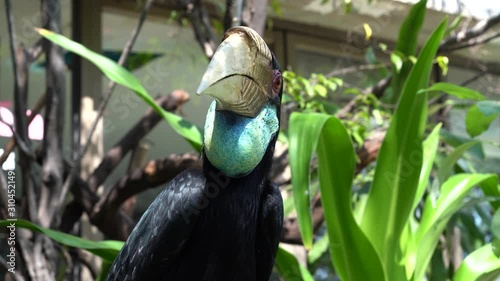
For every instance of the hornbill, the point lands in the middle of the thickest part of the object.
(223, 222)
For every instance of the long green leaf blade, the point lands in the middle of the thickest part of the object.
(447, 164)
(352, 253)
(409, 247)
(107, 250)
(476, 122)
(454, 90)
(399, 164)
(318, 249)
(430, 147)
(303, 135)
(121, 76)
(407, 45)
(481, 264)
(435, 217)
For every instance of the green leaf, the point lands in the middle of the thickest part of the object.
(303, 135)
(435, 217)
(454, 25)
(276, 7)
(495, 224)
(121, 76)
(399, 163)
(495, 246)
(289, 268)
(430, 147)
(407, 45)
(489, 107)
(481, 264)
(108, 250)
(320, 90)
(348, 244)
(318, 249)
(447, 164)
(308, 132)
(454, 90)
(397, 62)
(491, 189)
(476, 122)
(456, 141)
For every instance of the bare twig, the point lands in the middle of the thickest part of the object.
(86, 259)
(473, 78)
(377, 90)
(153, 174)
(357, 68)
(234, 10)
(52, 177)
(255, 15)
(84, 191)
(4, 214)
(16, 276)
(473, 42)
(172, 103)
(479, 29)
(20, 66)
(35, 51)
(202, 28)
(123, 58)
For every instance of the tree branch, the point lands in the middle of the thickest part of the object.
(198, 16)
(472, 42)
(20, 67)
(172, 102)
(255, 15)
(479, 29)
(155, 173)
(84, 192)
(123, 58)
(35, 51)
(52, 177)
(14, 276)
(4, 214)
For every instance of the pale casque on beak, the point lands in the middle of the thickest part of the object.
(240, 73)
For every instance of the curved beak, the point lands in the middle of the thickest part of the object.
(240, 73)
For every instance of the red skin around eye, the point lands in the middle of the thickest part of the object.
(277, 81)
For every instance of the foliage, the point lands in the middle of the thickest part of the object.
(379, 237)
(311, 95)
(108, 250)
(407, 46)
(121, 76)
(315, 95)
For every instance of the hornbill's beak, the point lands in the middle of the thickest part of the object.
(239, 74)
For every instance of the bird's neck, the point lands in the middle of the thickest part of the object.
(236, 144)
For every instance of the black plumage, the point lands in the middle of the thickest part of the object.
(207, 226)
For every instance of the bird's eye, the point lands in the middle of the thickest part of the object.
(277, 81)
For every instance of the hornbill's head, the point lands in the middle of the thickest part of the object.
(245, 80)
